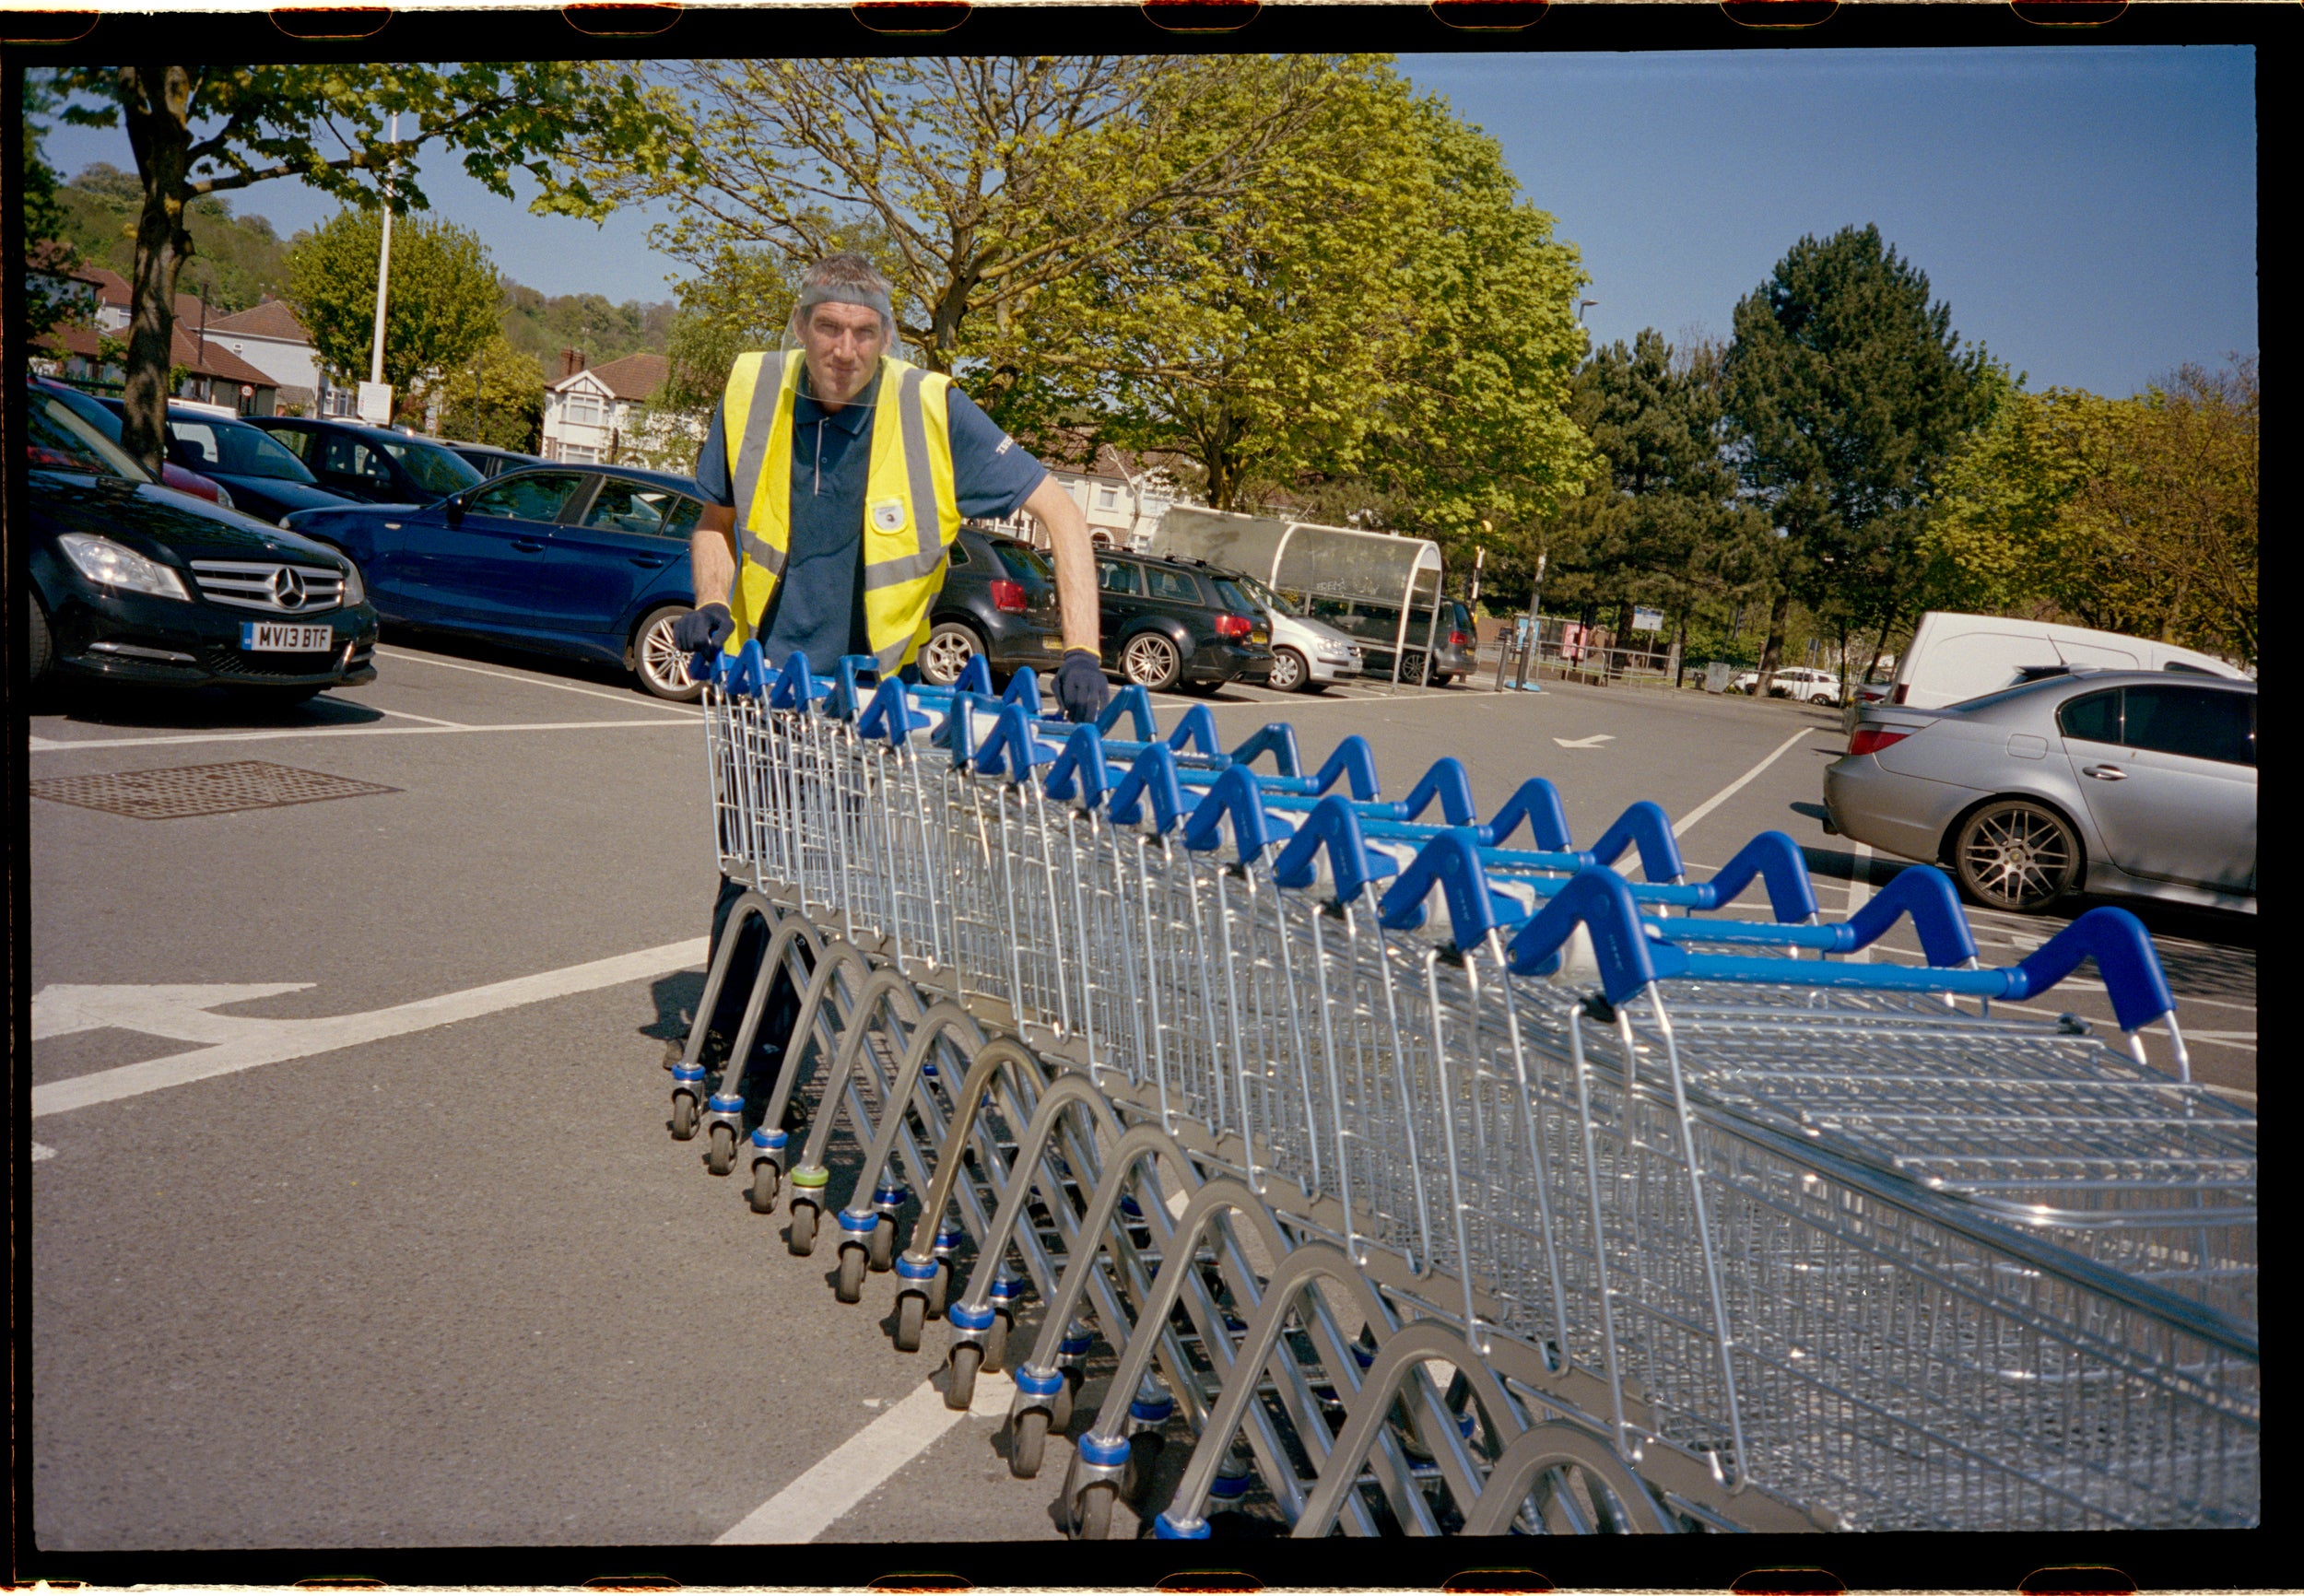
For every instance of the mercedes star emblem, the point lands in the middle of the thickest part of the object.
(287, 588)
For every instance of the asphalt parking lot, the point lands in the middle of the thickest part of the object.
(354, 1219)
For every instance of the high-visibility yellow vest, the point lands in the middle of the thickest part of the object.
(911, 507)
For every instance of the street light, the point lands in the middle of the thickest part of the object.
(1581, 306)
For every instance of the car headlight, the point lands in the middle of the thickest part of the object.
(224, 498)
(355, 590)
(109, 564)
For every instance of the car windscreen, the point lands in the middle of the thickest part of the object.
(435, 470)
(1267, 598)
(1024, 564)
(55, 437)
(237, 451)
(1228, 595)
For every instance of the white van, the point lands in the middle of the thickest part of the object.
(1956, 657)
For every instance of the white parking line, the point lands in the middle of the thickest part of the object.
(442, 729)
(861, 1464)
(276, 1041)
(517, 676)
(410, 715)
(1680, 825)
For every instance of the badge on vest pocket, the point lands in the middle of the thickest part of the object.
(888, 515)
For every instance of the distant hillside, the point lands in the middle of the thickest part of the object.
(240, 260)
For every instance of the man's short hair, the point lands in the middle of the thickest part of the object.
(846, 278)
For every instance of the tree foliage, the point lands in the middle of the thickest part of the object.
(1848, 391)
(2133, 515)
(241, 259)
(987, 179)
(202, 130)
(442, 295)
(543, 325)
(495, 395)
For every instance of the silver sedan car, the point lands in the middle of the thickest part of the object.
(2120, 782)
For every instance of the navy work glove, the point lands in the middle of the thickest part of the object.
(703, 629)
(1080, 685)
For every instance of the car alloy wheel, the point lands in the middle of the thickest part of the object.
(1151, 661)
(2017, 855)
(1288, 671)
(662, 664)
(946, 652)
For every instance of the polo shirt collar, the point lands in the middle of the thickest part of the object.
(850, 417)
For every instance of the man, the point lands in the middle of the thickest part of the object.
(834, 478)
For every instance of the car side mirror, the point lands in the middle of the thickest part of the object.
(453, 508)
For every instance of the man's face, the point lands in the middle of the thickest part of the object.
(843, 344)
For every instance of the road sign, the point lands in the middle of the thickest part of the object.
(1647, 621)
(376, 403)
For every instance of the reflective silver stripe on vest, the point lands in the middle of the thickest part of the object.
(752, 455)
(926, 527)
(890, 658)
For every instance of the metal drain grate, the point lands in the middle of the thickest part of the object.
(185, 790)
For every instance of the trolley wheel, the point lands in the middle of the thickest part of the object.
(1060, 1405)
(911, 1312)
(960, 1390)
(721, 1157)
(852, 1273)
(1092, 1512)
(683, 1115)
(881, 1249)
(1144, 1456)
(803, 1240)
(765, 1182)
(1027, 1439)
(937, 1288)
(996, 1342)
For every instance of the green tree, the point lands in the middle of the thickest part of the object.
(442, 299)
(202, 130)
(1848, 391)
(988, 180)
(545, 324)
(44, 213)
(494, 395)
(241, 259)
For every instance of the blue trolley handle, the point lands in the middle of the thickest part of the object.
(1235, 793)
(1775, 859)
(1012, 750)
(1537, 803)
(846, 695)
(795, 684)
(1335, 826)
(1278, 739)
(748, 676)
(1601, 901)
(890, 715)
(1151, 776)
(1024, 689)
(1081, 764)
(1452, 860)
(1648, 827)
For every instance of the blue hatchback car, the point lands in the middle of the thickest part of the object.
(588, 562)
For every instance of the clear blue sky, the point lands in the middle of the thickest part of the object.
(2090, 213)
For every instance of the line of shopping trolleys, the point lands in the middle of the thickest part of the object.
(1428, 1175)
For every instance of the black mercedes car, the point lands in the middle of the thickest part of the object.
(132, 583)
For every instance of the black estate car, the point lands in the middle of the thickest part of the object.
(373, 465)
(265, 479)
(999, 600)
(1173, 622)
(133, 583)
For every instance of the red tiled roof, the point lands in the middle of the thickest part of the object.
(633, 377)
(112, 289)
(269, 319)
(220, 363)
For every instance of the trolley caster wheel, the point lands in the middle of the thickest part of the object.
(937, 1288)
(912, 1313)
(1028, 1440)
(1060, 1405)
(852, 1273)
(960, 1390)
(880, 1247)
(803, 1240)
(765, 1182)
(996, 1342)
(1144, 1456)
(721, 1157)
(683, 1115)
(1092, 1513)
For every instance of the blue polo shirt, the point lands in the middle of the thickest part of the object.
(818, 607)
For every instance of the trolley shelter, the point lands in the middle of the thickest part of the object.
(1375, 578)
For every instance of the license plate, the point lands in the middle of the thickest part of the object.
(1259, 637)
(1053, 645)
(279, 637)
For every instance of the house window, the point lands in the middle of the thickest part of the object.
(1108, 499)
(584, 453)
(581, 410)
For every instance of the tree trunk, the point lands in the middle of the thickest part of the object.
(154, 100)
(1879, 647)
(1772, 651)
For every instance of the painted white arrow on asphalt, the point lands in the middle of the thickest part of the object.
(1591, 742)
(243, 1044)
(158, 1011)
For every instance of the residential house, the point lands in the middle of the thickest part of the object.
(598, 413)
(214, 374)
(269, 337)
(50, 275)
(1121, 495)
